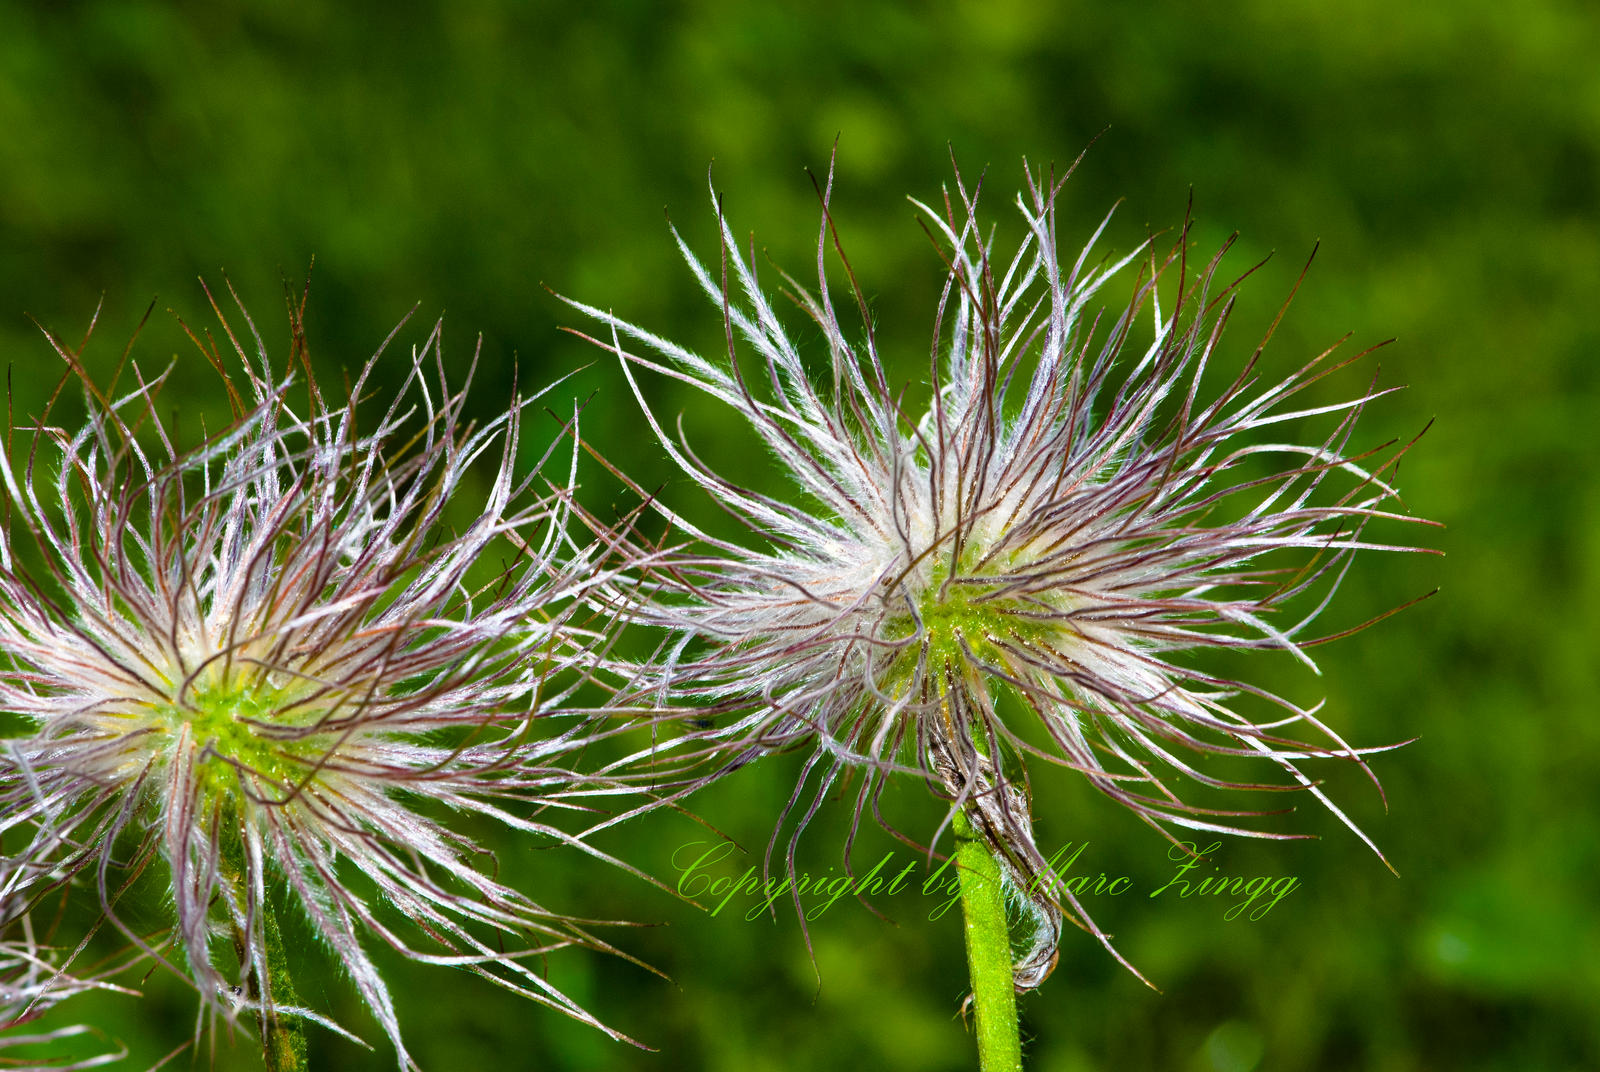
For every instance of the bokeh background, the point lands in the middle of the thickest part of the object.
(464, 157)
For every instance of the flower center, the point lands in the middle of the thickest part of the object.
(957, 619)
(246, 730)
(963, 621)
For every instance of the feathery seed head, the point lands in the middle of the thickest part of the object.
(279, 659)
(1073, 507)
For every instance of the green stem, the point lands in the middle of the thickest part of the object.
(983, 910)
(283, 1042)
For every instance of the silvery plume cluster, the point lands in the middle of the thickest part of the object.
(1009, 574)
(261, 670)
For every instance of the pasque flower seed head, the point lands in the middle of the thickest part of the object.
(271, 666)
(1073, 508)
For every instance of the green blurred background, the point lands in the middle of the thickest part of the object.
(465, 156)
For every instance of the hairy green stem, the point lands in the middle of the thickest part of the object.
(283, 1042)
(983, 911)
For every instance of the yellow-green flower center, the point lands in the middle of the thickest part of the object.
(247, 734)
(961, 616)
(955, 613)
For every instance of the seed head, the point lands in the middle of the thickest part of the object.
(274, 667)
(1071, 510)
